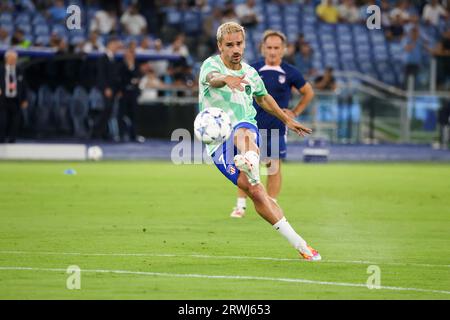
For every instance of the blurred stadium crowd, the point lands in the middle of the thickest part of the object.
(324, 36)
(321, 33)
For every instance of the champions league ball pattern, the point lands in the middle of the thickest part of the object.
(212, 125)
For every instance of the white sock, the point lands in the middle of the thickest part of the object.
(289, 233)
(241, 203)
(253, 157)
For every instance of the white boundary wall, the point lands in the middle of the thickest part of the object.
(40, 151)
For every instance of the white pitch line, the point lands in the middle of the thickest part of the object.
(237, 277)
(202, 256)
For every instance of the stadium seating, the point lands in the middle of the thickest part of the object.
(95, 99)
(79, 110)
(43, 108)
(28, 113)
(6, 18)
(349, 47)
(61, 105)
(113, 124)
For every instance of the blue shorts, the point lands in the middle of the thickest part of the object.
(273, 143)
(223, 157)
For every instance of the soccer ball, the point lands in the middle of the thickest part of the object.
(94, 153)
(212, 125)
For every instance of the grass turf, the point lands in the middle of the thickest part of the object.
(396, 216)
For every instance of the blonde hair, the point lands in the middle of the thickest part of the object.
(270, 33)
(227, 28)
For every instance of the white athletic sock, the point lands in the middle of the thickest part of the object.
(241, 203)
(253, 157)
(289, 233)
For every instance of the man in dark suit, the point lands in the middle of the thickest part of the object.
(109, 81)
(128, 104)
(12, 98)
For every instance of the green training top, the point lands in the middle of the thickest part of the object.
(238, 104)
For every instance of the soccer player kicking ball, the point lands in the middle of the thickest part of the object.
(279, 78)
(230, 84)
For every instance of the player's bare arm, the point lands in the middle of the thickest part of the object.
(218, 80)
(307, 93)
(269, 104)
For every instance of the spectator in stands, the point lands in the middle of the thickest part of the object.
(291, 50)
(179, 47)
(58, 43)
(303, 57)
(348, 12)
(208, 42)
(395, 31)
(5, 39)
(41, 42)
(6, 6)
(133, 22)
(246, 14)
(150, 83)
(105, 21)
(160, 66)
(211, 22)
(93, 44)
(173, 79)
(327, 12)
(442, 53)
(406, 14)
(109, 81)
(326, 81)
(363, 14)
(203, 6)
(18, 39)
(304, 61)
(228, 13)
(130, 76)
(400, 12)
(444, 124)
(413, 53)
(182, 77)
(12, 98)
(179, 81)
(57, 13)
(132, 44)
(189, 77)
(145, 45)
(433, 12)
(385, 18)
(301, 41)
(25, 5)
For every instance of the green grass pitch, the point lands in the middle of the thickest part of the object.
(153, 230)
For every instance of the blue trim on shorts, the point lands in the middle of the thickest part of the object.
(223, 156)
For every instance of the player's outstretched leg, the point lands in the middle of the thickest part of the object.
(272, 213)
(273, 188)
(248, 163)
